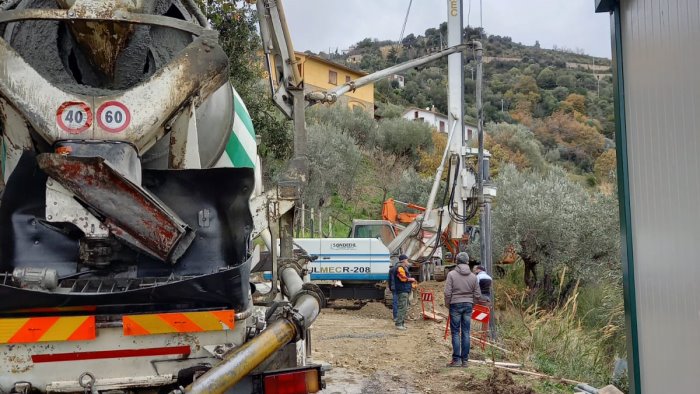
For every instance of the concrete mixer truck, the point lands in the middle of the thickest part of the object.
(130, 195)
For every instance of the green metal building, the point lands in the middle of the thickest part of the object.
(656, 67)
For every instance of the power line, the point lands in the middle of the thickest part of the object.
(405, 21)
(469, 13)
(481, 18)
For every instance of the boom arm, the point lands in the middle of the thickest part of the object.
(332, 95)
(279, 50)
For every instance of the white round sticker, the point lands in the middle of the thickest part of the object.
(113, 116)
(74, 117)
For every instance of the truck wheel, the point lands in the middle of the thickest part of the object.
(388, 299)
(439, 277)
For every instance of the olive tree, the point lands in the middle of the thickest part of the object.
(356, 123)
(404, 137)
(554, 222)
(334, 160)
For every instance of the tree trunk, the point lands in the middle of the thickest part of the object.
(548, 288)
(530, 275)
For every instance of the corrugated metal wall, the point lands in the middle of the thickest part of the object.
(661, 57)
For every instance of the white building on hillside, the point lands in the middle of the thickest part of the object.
(435, 119)
(399, 79)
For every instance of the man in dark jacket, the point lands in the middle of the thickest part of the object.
(484, 283)
(402, 284)
(392, 286)
(461, 292)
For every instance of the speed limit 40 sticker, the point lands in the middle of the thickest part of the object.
(74, 117)
(113, 116)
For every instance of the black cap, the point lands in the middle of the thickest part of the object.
(403, 257)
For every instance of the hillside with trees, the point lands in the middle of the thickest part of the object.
(564, 97)
(549, 126)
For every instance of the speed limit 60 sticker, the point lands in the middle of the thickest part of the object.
(74, 117)
(113, 116)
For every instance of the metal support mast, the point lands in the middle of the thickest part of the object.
(455, 105)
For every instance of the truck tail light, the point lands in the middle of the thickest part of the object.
(302, 381)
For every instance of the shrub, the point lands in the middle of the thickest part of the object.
(355, 123)
(404, 137)
(333, 162)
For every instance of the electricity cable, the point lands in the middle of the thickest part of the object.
(405, 21)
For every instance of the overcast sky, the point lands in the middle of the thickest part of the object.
(318, 25)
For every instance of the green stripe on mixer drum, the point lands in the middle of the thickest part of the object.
(241, 147)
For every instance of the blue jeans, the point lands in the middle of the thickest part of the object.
(460, 321)
(395, 303)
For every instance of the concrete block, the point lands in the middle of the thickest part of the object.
(610, 389)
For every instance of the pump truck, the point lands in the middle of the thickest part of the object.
(130, 196)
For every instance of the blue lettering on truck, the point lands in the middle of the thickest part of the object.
(346, 259)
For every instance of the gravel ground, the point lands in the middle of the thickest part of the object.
(369, 356)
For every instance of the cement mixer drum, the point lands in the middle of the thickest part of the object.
(99, 58)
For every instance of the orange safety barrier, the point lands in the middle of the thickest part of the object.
(427, 296)
(167, 323)
(47, 329)
(479, 325)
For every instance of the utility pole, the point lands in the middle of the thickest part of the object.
(311, 223)
(320, 224)
(501, 105)
(455, 103)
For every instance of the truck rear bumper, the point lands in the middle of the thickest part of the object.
(114, 360)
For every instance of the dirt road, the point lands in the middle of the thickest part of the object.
(369, 356)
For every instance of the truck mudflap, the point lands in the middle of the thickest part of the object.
(213, 271)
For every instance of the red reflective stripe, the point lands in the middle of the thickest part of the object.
(156, 351)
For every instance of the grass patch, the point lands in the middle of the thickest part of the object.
(558, 343)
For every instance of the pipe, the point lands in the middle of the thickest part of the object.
(478, 50)
(288, 41)
(307, 305)
(588, 389)
(425, 247)
(332, 95)
(438, 175)
(292, 282)
(194, 9)
(240, 362)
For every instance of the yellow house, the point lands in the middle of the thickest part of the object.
(321, 74)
